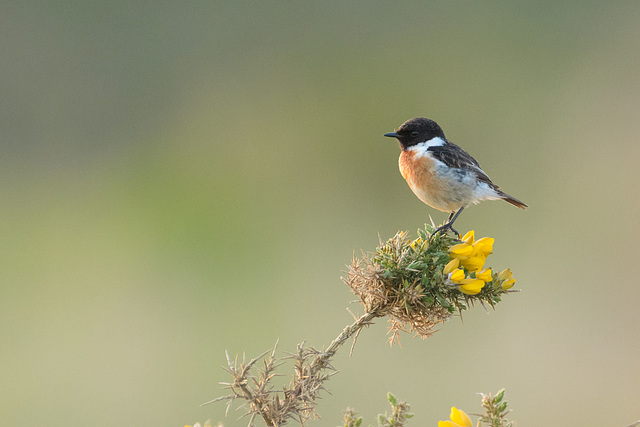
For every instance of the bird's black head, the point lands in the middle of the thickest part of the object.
(415, 131)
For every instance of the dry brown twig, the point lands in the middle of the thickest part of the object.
(298, 399)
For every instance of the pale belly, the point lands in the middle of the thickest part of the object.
(442, 195)
(442, 188)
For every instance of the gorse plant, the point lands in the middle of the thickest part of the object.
(416, 283)
(421, 282)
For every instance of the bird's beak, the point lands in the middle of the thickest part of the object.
(392, 134)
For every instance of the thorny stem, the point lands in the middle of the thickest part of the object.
(304, 389)
(247, 391)
(320, 361)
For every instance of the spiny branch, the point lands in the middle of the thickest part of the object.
(297, 401)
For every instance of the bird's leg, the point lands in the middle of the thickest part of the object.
(449, 224)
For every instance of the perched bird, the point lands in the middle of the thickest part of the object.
(440, 173)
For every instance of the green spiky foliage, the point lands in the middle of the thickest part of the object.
(405, 278)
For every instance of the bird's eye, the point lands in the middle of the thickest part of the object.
(414, 133)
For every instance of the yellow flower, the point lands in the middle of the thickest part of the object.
(451, 265)
(485, 275)
(484, 246)
(415, 243)
(508, 284)
(457, 275)
(458, 419)
(473, 263)
(473, 254)
(469, 237)
(505, 274)
(460, 250)
(506, 277)
(471, 286)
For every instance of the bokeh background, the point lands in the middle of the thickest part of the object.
(181, 178)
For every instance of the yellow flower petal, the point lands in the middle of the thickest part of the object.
(485, 241)
(459, 417)
(485, 275)
(469, 237)
(462, 249)
(471, 286)
(508, 284)
(447, 424)
(473, 263)
(415, 243)
(484, 245)
(505, 275)
(451, 265)
(457, 275)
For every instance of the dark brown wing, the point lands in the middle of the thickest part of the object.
(455, 157)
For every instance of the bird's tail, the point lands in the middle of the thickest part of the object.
(515, 202)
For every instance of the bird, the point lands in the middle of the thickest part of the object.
(442, 174)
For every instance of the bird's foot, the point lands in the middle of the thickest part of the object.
(444, 228)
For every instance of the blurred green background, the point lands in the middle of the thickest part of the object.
(181, 178)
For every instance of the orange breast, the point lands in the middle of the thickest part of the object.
(418, 169)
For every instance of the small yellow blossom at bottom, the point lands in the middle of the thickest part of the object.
(471, 286)
(458, 419)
